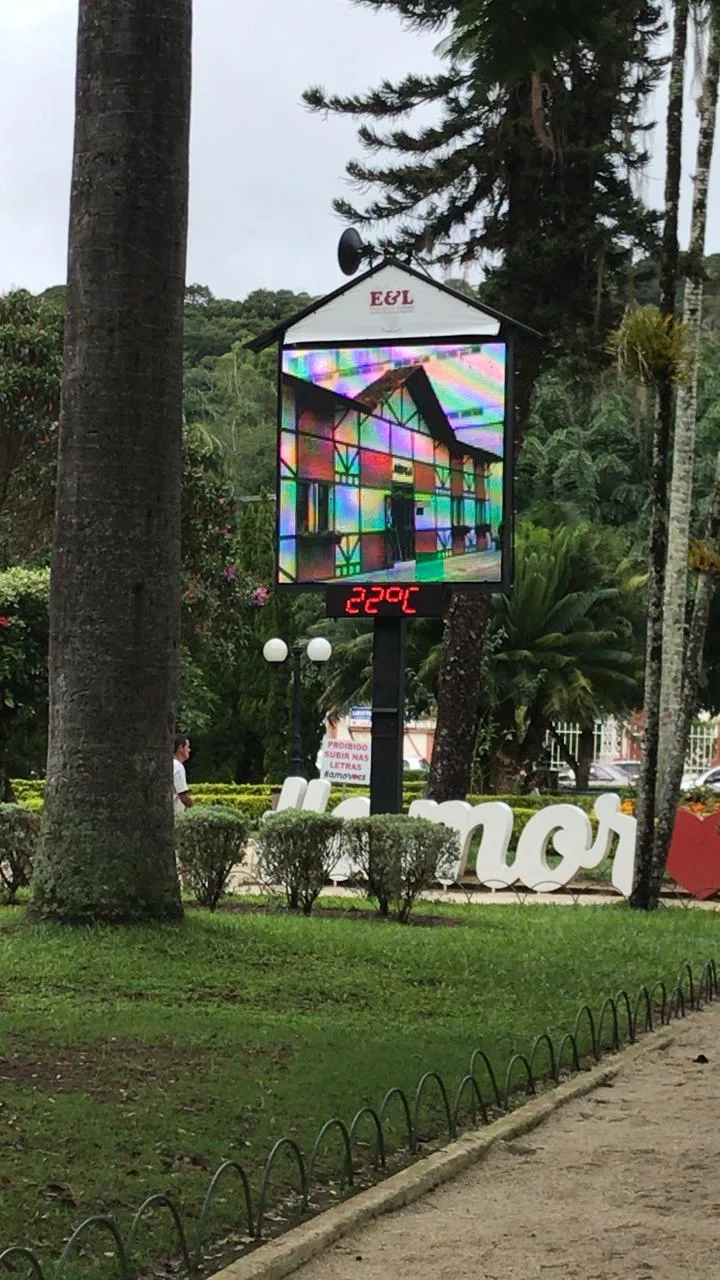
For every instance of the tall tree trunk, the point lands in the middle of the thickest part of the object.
(458, 712)
(646, 890)
(673, 744)
(115, 592)
(586, 755)
(707, 583)
(458, 696)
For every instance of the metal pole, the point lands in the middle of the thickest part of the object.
(296, 755)
(386, 768)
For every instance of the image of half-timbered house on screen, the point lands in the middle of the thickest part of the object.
(391, 464)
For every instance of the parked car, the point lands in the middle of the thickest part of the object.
(630, 767)
(415, 764)
(709, 779)
(603, 777)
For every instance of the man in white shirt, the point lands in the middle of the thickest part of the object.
(182, 799)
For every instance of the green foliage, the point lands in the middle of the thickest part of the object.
(213, 324)
(646, 285)
(251, 807)
(566, 645)
(229, 392)
(218, 597)
(208, 843)
(563, 645)
(298, 851)
(710, 687)
(31, 340)
(703, 797)
(649, 346)
(400, 857)
(23, 654)
(225, 587)
(19, 835)
(26, 789)
(249, 738)
(253, 800)
(586, 453)
(348, 679)
(24, 632)
(513, 42)
(585, 457)
(536, 133)
(707, 432)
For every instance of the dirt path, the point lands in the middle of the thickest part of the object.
(623, 1184)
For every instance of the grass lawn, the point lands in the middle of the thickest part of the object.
(136, 1060)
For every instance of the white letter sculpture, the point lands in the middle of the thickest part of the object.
(564, 827)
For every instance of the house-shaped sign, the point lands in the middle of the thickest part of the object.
(395, 443)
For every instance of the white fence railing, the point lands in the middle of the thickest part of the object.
(617, 741)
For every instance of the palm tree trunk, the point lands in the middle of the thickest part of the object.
(673, 696)
(458, 698)
(646, 891)
(704, 594)
(115, 594)
(586, 755)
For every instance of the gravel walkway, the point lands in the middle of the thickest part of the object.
(623, 1184)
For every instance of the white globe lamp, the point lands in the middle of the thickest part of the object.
(275, 650)
(319, 649)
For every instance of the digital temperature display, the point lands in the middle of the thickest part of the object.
(381, 600)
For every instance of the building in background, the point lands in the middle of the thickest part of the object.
(391, 464)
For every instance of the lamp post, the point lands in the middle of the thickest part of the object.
(317, 650)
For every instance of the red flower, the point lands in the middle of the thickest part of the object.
(5, 622)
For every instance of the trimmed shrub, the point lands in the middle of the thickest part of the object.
(202, 795)
(208, 844)
(19, 836)
(255, 798)
(299, 850)
(250, 807)
(28, 786)
(400, 857)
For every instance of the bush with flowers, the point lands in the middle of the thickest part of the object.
(220, 593)
(700, 800)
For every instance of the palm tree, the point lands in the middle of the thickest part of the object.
(566, 648)
(647, 884)
(114, 642)
(672, 744)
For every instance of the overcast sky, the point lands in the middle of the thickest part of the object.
(263, 170)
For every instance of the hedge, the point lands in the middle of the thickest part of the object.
(252, 806)
(254, 799)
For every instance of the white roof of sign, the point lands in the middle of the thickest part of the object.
(388, 303)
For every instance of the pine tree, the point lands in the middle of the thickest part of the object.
(531, 174)
(529, 169)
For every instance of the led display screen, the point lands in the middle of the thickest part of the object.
(392, 464)
(426, 600)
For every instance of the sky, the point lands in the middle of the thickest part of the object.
(264, 170)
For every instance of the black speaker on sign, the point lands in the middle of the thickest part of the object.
(350, 251)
